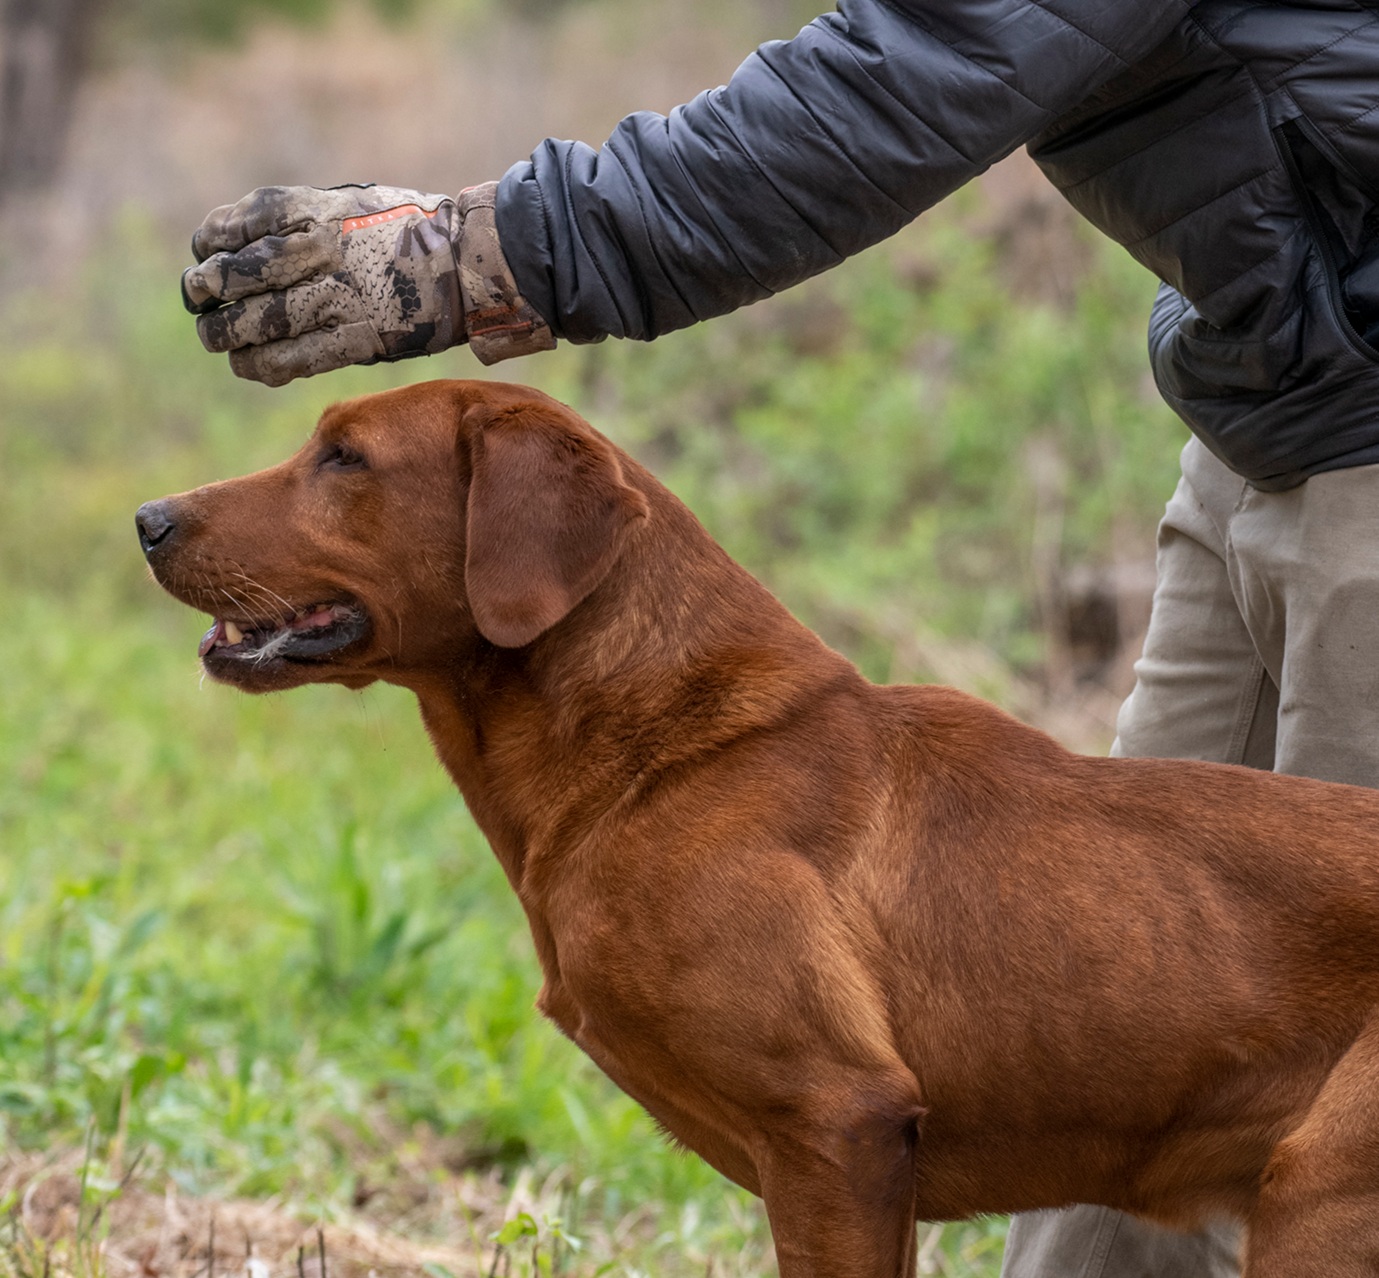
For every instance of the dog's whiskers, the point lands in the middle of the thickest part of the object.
(237, 601)
(264, 591)
(253, 597)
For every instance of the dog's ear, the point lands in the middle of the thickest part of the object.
(549, 512)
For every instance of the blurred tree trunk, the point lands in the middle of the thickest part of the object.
(43, 55)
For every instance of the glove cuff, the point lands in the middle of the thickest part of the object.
(499, 322)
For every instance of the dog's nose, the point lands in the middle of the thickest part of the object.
(155, 524)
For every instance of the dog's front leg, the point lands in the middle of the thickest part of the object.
(840, 1194)
(730, 992)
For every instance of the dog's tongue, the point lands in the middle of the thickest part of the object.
(208, 640)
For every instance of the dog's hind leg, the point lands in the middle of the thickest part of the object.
(1318, 1209)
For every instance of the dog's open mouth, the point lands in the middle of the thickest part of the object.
(309, 634)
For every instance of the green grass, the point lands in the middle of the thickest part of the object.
(259, 938)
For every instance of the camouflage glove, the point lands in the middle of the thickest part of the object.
(298, 280)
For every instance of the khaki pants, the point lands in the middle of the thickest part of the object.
(1263, 649)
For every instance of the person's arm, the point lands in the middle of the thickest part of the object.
(816, 148)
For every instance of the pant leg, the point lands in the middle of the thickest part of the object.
(1202, 688)
(1305, 568)
(1202, 691)
(1087, 1242)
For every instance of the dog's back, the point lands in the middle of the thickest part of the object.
(1117, 981)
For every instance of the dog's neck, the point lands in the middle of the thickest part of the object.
(678, 653)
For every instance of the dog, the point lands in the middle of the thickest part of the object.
(877, 954)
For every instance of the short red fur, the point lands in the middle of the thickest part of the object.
(878, 954)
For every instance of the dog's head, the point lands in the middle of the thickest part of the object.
(411, 526)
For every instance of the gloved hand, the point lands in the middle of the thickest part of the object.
(298, 280)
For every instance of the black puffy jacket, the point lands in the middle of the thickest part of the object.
(1232, 146)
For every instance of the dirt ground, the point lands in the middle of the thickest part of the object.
(427, 1221)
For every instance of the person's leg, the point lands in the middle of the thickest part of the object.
(1202, 687)
(1305, 568)
(1201, 692)
(1087, 1242)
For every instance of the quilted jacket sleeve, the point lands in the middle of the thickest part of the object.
(816, 148)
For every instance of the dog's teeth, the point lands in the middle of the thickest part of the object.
(233, 633)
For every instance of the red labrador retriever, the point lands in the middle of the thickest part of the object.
(876, 953)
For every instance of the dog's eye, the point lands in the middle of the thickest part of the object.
(341, 457)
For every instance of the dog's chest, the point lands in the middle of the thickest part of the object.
(617, 999)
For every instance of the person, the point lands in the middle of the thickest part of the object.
(1231, 146)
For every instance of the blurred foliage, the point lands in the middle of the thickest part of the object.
(228, 21)
(260, 936)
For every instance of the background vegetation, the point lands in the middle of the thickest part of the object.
(257, 943)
